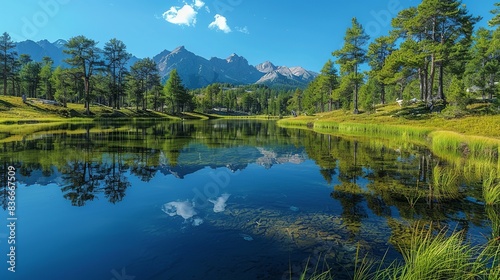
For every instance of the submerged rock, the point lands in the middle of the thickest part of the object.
(246, 237)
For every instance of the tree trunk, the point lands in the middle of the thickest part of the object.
(440, 82)
(86, 83)
(382, 93)
(431, 76)
(492, 86)
(422, 84)
(356, 111)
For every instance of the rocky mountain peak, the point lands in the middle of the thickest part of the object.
(60, 43)
(266, 67)
(179, 49)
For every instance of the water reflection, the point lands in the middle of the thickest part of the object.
(374, 185)
(220, 202)
(90, 159)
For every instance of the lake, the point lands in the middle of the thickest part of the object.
(221, 200)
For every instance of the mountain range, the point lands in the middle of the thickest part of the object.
(195, 71)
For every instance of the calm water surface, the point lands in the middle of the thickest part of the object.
(218, 200)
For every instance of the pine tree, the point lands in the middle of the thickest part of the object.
(328, 81)
(85, 57)
(7, 58)
(143, 73)
(116, 55)
(45, 77)
(352, 55)
(61, 80)
(441, 31)
(378, 51)
(176, 92)
(496, 16)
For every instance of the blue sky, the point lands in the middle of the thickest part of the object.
(290, 33)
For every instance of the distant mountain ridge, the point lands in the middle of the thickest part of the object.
(195, 71)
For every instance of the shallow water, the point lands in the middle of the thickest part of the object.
(218, 200)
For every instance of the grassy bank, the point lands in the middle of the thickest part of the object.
(474, 136)
(13, 110)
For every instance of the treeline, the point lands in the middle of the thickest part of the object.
(249, 99)
(102, 77)
(431, 54)
(93, 76)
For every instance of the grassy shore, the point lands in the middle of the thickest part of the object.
(13, 110)
(476, 122)
(475, 135)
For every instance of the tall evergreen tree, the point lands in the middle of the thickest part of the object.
(45, 77)
(30, 78)
(329, 81)
(496, 15)
(85, 57)
(378, 51)
(351, 55)
(176, 92)
(116, 56)
(480, 64)
(143, 72)
(441, 31)
(7, 58)
(61, 81)
(295, 102)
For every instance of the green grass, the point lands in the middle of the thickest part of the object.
(446, 182)
(314, 273)
(429, 255)
(13, 110)
(439, 256)
(447, 143)
(491, 189)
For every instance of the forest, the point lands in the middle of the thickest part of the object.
(433, 54)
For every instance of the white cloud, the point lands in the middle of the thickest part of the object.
(220, 23)
(199, 4)
(183, 16)
(242, 29)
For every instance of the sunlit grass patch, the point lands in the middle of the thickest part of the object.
(431, 255)
(436, 257)
(452, 144)
(491, 189)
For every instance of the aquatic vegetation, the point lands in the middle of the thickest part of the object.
(447, 143)
(430, 255)
(446, 182)
(493, 213)
(438, 256)
(491, 189)
(404, 134)
(316, 274)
